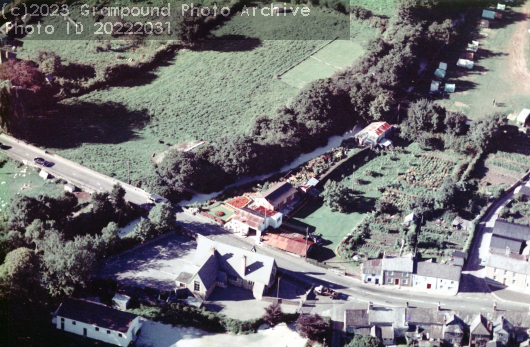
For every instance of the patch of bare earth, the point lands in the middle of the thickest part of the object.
(497, 177)
(460, 104)
(183, 147)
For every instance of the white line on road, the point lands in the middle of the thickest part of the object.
(73, 173)
(483, 308)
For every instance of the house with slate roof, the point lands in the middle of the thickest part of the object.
(511, 232)
(503, 330)
(453, 330)
(97, 321)
(479, 331)
(398, 271)
(277, 197)
(221, 264)
(371, 271)
(505, 270)
(434, 276)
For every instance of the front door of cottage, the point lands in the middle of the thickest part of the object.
(397, 281)
(84, 332)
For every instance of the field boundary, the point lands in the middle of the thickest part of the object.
(290, 67)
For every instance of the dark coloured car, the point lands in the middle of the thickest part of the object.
(39, 161)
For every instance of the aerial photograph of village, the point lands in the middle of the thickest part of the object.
(248, 173)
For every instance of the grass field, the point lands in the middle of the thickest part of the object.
(333, 57)
(491, 78)
(211, 90)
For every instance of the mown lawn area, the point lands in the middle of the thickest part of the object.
(332, 225)
(493, 75)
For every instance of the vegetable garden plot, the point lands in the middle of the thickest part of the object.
(429, 173)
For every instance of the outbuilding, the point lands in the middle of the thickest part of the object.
(488, 14)
(522, 118)
(97, 321)
(468, 64)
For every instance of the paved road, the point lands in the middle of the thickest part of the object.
(70, 171)
(474, 296)
(471, 298)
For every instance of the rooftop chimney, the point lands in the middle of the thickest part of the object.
(370, 306)
(407, 304)
(526, 258)
(212, 250)
(438, 307)
(244, 265)
(508, 250)
(495, 306)
(384, 254)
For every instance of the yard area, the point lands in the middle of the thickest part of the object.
(163, 335)
(497, 73)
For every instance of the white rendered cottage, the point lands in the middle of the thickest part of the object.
(434, 276)
(97, 321)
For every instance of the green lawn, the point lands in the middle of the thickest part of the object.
(490, 78)
(18, 179)
(332, 225)
(227, 212)
(333, 57)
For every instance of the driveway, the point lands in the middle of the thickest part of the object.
(155, 334)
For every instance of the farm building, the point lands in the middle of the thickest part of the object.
(488, 14)
(97, 321)
(290, 242)
(373, 134)
(222, 264)
(277, 197)
(522, 118)
(442, 66)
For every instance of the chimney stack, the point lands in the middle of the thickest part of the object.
(212, 251)
(370, 306)
(384, 254)
(438, 307)
(407, 304)
(494, 306)
(244, 265)
(508, 250)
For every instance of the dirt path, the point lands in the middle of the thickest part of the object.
(517, 60)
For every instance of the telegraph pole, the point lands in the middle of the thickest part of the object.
(353, 177)
(128, 171)
(306, 237)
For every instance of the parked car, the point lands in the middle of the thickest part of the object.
(315, 238)
(158, 199)
(40, 161)
(325, 291)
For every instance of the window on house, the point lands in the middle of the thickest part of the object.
(405, 281)
(97, 329)
(369, 279)
(73, 322)
(62, 319)
(441, 287)
(406, 274)
(494, 271)
(505, 272)
(108, 332)
(390, 280)
(452, 282)
(232, 278)
(495, 277)
(513, 282)
(120, 335)
(251, 284)
(391, 273)
(197, 286)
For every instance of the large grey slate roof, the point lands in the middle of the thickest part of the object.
(419, 315)
(357, 318)
(446, 272)
(372, 266)
(278, 192)
(479, 326)
(511, 230)
(502, 242)
(404, 264)
(510, 264)
(259, 267)
(390, 316)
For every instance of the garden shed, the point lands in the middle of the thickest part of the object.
(501, 7)
(522, 118)
(488, 14)
(121, 301)
(439, 73)
(484, 23)
(468, 64)
(435, 85)
(70, 188)
(449, 87)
